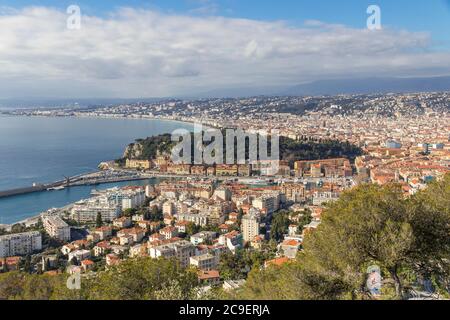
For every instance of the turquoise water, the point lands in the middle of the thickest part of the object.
(43, 149)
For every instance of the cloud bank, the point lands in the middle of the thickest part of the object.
(140, 53)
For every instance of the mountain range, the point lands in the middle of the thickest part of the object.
(316, 88)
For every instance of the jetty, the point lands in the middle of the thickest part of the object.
(95, 178)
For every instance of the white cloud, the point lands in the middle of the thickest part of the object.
(204, 7)
(148, 53)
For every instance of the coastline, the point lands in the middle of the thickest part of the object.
(116, 117)
(33, 217)
(33, 220)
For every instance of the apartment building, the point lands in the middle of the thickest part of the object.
(138, 164)
(86, 210)
(20, 244)
(56, 227)
(224, 170)
(266, 204)
(197, 219)
(320, 198)
(205, 261)
(232, 240)
(203, 237)
(127, 197)
(181, 250)
(250, 227)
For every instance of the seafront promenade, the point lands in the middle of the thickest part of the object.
(31, 221)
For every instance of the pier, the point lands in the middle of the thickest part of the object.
(109, 176)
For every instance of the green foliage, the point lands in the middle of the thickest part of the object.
(71, 222)
(18, 228)
(290, 150)
(305, 219)
(129, 212)
(237, 266)
(155, 214)
(140, 279)
(133, 279)
(151, 146)
(26, 264)
(98, 220)
(280, 225)
(273, 283)
(408, 238)
(308, 149)
(240, 215)
(370, 225)
(22, 286)
(213, 228)
(192, 229)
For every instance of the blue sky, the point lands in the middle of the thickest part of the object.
(414, 15)
(183, 46)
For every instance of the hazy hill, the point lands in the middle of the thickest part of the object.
(370, 85)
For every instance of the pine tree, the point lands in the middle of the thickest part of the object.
(27, 264)
(99, 221)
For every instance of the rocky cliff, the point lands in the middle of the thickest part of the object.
(149, 148)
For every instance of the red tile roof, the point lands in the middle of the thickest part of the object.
(277, 262)
(206, 275)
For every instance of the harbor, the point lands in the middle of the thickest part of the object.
(95, 178)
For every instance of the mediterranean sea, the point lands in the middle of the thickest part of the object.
(45, 149)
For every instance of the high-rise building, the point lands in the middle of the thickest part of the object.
(56, 227)
(20, 244)
(250, 227)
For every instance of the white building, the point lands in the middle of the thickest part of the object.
(181, 250)
(232, 240)
(197, 219)
(229, 285)
(56, 227)
(149, 190)
(205, 261)
(20, 244)
(267, 204)
(320, 198)
(223, 194)
(169, 208)
(203, 237)
(250, 227)
(127, 197)
(86, 210)
(79, 254)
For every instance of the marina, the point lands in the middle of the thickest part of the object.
(74, 147)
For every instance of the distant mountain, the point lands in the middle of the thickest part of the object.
(240, 92)
(370, 85)
(337, 86)
(316, 88)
